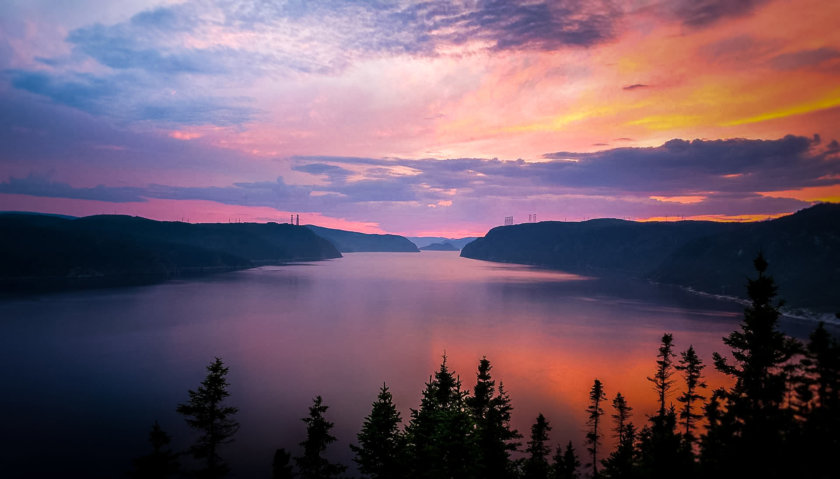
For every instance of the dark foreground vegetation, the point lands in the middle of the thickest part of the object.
(703, 255)
(40, 252)
(779, 419)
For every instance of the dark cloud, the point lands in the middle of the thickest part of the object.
(334, 173)
(702, 13)
(635, 86)
(806, 59)
(38, 185)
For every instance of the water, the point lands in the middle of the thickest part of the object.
(86, 374)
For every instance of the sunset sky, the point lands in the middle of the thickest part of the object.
(430, 117)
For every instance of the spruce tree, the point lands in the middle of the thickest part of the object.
(161, 462)
(381, 444)
(566, 463)
(662, 378)
(312, 464)
(621, 415)
(595, 411)
(536, 464)
(440, 441)
(621, 464)
(494, 437)
(281, 466)
(756, 401)
(692, 367)
(206, 412)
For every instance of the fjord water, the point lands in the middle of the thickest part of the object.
(85, 374)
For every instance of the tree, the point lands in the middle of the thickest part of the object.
(312, 465)
(755, 402)
(595, 411)
(566, 463)
(440, 441)
(281, 467)
(621, 416)
(536, 464)
(161, 462)
(692, 368)
(380, 450)
(206, 412)
(662, 379)
(621, 464)
(494, 437)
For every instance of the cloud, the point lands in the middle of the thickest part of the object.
(703, 13)
(41, 185)
(635, 86)
(806, 59)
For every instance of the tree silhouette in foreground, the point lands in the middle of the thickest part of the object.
(595, 411)
(754, 405)
(281, 466)
(566, 463)
(621, 463)
(161, 462)
(494, 437)
(312, 465)
(692, 368)
(536, 464)
(380, 452)
(206, 413)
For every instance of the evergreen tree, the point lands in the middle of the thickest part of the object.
(661, 450)
(281, 467)
(621, 415)
(566, 463)
(621, 464)
(380, 450)
(161, 462)
(692, 368)
(206, 412)
(440, 442)
(494, 438)
(312, 465)
(755, 403)
(664, 364)
(716, 451)
(595, 411)
(536, 464)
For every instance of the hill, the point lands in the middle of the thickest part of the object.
(458, 243)
(445, 246)
(353, 242)
(48, 252)
(803, 250)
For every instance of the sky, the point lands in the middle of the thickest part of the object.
(435, 117)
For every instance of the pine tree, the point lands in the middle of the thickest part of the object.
(621, 416)
(566, 463)
(281, 467)
(593, 437)
(206, 412)
(312, 465)
(621, 464)
(692, 368)
(536, 464)
(440, 442)
(664, 364)
(756, 401)
(161, 462)
(380, 450)
(494, 438)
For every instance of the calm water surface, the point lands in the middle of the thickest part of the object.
(85, 375)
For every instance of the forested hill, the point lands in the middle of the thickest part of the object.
(803, 250)
(353, 242)
(38, 251)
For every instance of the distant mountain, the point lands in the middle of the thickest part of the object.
(47, 252)
(445, 246)
(353, 242)
(803, 250)
(458, 243)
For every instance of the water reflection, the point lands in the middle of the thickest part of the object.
(92, 371)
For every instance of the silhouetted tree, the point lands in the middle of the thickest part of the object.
(621, 415)
(664, 364)
(621, 464)
(566, 463)
(595, 411)
(312, 465)
(536, 464)
(755, 403)
(494, 437)
(161, 462)
(281, 467)
(381, 445)
(692, 367)
(206, 412)
(440, 443)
